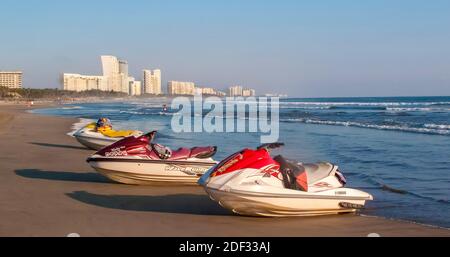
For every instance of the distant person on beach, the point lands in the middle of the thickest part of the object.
(164, 108)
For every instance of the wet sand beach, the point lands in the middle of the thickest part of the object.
(47, 189)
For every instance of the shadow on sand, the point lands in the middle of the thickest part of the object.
(61, 146)
(91, 177)
(176, 203)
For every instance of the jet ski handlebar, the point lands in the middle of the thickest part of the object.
(151, 135)
(270, 146)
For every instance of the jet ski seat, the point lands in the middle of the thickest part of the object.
(300, 176)
(195, 152)
(294, 175)
(317, 171)
(203, 152)
(180, 153)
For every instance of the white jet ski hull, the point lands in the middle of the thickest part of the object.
(95, 143)
(95, 140)
(147, 172)
(282, 205)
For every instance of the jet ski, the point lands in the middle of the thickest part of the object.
(138, 160)
(99, 134)
(252, 183)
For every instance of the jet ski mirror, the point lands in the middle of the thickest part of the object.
(270, 146)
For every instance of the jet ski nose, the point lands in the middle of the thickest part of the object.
(204, 179)
(366, 195)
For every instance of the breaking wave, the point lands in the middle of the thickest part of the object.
(374, 106)
(438, 126)
(78, 125)
(71, 107)
(420, 109)
(367, 103)
(427, 129)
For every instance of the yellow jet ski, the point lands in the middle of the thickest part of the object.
(97, 135)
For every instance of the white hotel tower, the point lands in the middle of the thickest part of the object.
(115, 78)
(111, 71)
(152, 82)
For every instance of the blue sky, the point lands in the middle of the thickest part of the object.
(302, 48)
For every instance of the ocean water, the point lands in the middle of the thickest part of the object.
(396, 148)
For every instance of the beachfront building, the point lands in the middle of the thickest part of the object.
(220, 93)
(152, 82)
(248, 92)
(116, 73)
(77, 82)
(180, 88)
(115, 77)
(11, 79)
(235, 91)
(240, 91)
(124, 78)
(198, 91)
(208, 91)
(135, 88)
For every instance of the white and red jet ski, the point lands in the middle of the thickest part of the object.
(251, 182)
(139, 161)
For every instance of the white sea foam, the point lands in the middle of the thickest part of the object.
(308, 107)
(150, 104)
(132, 112)
(426, 130)
(168, 113)
(71, 107)
(420, 109)
(367, 103)
(390, 106)
(437, 126)
(78, 125)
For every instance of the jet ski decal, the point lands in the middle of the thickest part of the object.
(195, 171)
(247, 158)
(116, 152)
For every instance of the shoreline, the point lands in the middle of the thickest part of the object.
(406, 221)
(49, 190)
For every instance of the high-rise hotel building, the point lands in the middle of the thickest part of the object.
(235, 91)
(208, 91)
(135, 88)
(152, 82)
(240, 91)
(77, 82)
(112, 72)
(248, 92)
(115, 78)
(180, 88)
(11, 79)
(124, 78)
